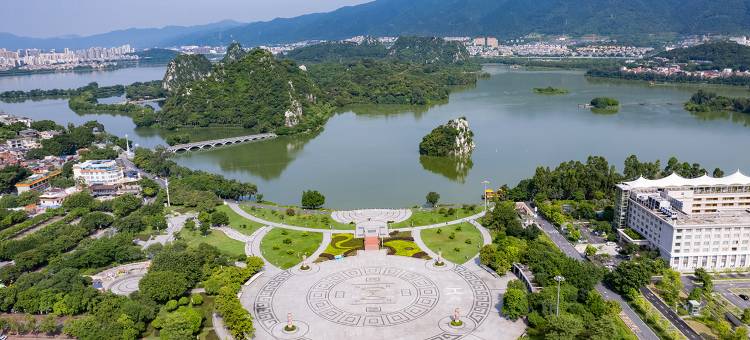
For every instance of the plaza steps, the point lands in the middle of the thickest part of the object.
(372, 243)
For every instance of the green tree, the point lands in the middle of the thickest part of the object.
(181, 324)
(48, 325)
(219, 218)
(746, 316)
(670, 286)
(312, 199)
(565, 326)
(125, 204)
(705, 278)
(162, 286)
(432, 198)
(81, 199)
(515, 303)
(590, 250)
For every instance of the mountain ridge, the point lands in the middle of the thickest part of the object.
(502, 18)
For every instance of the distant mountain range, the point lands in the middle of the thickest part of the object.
(503, 18)
(136, 37)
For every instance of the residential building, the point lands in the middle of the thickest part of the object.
(36, 182)
(694, 223)
(23, 143)
(92, 172)
(53, 198)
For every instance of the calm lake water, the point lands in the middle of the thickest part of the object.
(368, 156)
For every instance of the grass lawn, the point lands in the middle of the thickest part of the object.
(422, 217)
(284, 248)
(215, 238)
(238, 222)
(439, 239)
(317, 221)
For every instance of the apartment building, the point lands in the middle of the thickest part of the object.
(97, 172)
(701, 222)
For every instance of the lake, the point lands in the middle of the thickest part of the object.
(368, 156)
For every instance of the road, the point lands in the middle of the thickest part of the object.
(723, 286)
(130, 166)
(641, 330)
(669, 314)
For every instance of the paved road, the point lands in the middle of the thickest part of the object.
(130, 166)
(174, 225)
(637, 325)
(723, 286)
(669, 314)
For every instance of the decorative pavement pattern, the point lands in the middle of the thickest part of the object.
(376, 296)
(364, 215)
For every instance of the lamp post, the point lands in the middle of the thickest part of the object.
(166, 183)
(485, 182)
(559, 279)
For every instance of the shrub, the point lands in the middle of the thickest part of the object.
(456, 249)
(468, 241)
(196, 299)
(183, 301)
(452, 236)
(290, 212)
(287, 241)
(439, 231)
(170, 305)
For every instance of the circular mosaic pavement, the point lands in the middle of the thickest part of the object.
(373, 296)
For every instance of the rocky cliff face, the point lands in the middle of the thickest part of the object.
(464, 140)
(184, 69)
(235, 52)
(451, 139)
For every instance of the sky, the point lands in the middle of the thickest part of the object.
(47, 18)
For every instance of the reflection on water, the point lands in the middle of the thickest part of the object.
(266, 159)
(735, 117)
(453, 168)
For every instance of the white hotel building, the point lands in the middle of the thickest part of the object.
(106, 172)
(695, 223)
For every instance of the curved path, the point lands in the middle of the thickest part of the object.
(236, 208)
(322, 247)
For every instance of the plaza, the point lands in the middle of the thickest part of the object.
(377, 296)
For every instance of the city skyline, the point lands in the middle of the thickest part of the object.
(53, 19)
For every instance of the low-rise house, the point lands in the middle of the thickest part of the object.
(53, 198)
(37, 182)
(23, 143)
(48, 134)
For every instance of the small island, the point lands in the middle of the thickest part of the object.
(703, 101)
(549, 90)
(605, 105)
(453, 139)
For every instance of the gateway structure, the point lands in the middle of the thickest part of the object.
(695, 223)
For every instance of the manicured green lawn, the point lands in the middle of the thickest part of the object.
(216, 239)
(439, 239)
(284, 248)
(317, 221)
(238, 222)
(422, 217)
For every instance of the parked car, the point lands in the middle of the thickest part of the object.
(744, 297)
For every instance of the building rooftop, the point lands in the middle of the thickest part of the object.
(675, 180)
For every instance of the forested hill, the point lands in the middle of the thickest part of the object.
(419, 50)
(257, 92)
(719, 55)
(504, 18)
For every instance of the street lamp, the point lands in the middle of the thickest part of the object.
(485, 182)
(559, 279)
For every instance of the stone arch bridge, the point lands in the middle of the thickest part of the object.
(208, 144)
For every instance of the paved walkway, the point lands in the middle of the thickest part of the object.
(221, 331)
(321, 248)
(234, 206)
(174, 225)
